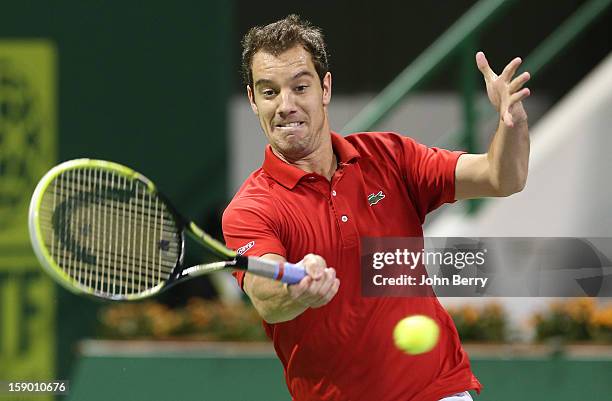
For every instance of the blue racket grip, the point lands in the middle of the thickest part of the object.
(293, 273)
(285, 272)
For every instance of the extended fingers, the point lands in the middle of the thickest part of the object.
(518, 82)
(510, 69)
(514, 98)
(519, 96)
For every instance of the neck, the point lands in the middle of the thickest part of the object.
(322, 161)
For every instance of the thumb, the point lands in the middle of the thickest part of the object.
(483, 66)
(314, 271)
(313, 266)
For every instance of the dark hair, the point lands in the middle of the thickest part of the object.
(280, 36)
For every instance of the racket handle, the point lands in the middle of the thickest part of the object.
(293, 274)
(286, 272)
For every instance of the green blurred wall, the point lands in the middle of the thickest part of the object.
(166, 378)
(206, 376)
(141, 83)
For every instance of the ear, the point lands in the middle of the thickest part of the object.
(327, 88)
(251, 97)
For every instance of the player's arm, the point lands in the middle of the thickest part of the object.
(502, 171)
(277, 302)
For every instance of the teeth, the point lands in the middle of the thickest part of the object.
(294, 124)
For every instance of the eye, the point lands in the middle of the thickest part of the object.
(301, 88)
(268, 92)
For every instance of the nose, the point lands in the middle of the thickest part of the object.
(286, 105)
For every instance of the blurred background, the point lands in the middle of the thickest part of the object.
(157, 86)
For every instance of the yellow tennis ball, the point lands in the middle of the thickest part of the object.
(416, 334)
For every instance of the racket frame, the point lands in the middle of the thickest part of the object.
(45, 258)
(179, 273)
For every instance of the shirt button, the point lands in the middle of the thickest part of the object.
(344, 219)
(333, 193)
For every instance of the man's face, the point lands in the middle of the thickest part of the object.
(289, 101)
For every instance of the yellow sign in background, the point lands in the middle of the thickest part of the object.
(27, 149)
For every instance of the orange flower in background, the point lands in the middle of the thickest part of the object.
(199, 312)
(485, 323)
(162, 320)
(580, 309)
(603, 318)
(493, 309)
(470, 314)
(198, 319)
(575, 320)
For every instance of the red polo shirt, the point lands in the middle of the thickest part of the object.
(344, 350)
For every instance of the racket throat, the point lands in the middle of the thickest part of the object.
(239, 263)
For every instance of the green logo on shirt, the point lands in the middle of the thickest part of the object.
(375, 198)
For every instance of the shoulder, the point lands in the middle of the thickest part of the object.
(253, 198)
(380, 143)
(388, 147)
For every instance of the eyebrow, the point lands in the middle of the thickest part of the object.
(296, 76)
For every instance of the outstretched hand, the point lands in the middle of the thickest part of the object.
(505, 93)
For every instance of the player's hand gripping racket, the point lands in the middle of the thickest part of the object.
(103, 229)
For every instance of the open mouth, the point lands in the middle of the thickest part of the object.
(291, 125)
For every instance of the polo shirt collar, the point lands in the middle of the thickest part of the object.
(288, 175)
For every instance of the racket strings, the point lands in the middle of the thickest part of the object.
(109, 232)
(112, 230)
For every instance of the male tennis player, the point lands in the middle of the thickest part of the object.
(309, 202)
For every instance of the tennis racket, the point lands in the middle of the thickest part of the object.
(102, 229)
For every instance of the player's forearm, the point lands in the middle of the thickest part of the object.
(509, 157)
(271, 299)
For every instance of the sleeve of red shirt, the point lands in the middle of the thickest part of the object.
(250, 224)
(430, 175)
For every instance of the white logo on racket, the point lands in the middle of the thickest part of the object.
(240, 251)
